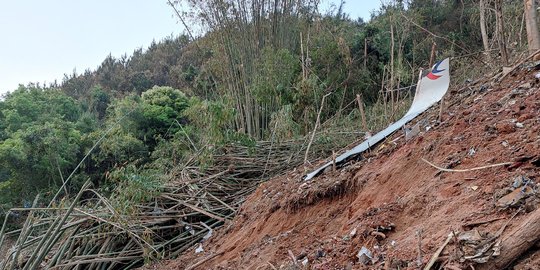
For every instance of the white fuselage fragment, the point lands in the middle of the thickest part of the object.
(430, 90)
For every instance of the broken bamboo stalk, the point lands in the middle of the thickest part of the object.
(438, 252)
(441, 108)
(466, 170)
(432, 56)
(333, 161)
(317, 122)
(362, 112)
(420, 258)
(516, 66)
(203, 261)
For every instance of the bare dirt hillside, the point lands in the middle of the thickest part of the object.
(398, 206)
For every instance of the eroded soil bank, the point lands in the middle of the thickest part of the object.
(393, 202)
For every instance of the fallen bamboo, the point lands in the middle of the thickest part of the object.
(466, 170)
(438, 252)
(97, 234)
(516, 66)
(203, 261)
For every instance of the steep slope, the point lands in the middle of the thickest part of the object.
(391, 201)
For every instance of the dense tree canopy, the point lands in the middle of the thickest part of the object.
(43, 136)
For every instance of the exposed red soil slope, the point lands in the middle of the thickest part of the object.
(384, 200)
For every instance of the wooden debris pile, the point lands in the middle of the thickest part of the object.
(92, 234)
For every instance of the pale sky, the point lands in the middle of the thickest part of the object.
(40, 41)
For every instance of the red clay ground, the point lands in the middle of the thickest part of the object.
(384, 200)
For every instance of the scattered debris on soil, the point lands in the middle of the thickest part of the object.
(475, 209)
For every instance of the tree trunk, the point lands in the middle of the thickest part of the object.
(391, 88)
(533, 37)
(365, 53)
(516, 242)
(500, 31)
(483, 30)
(432, 55)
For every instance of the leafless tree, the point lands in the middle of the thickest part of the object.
(483, 30)
(533, 36)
